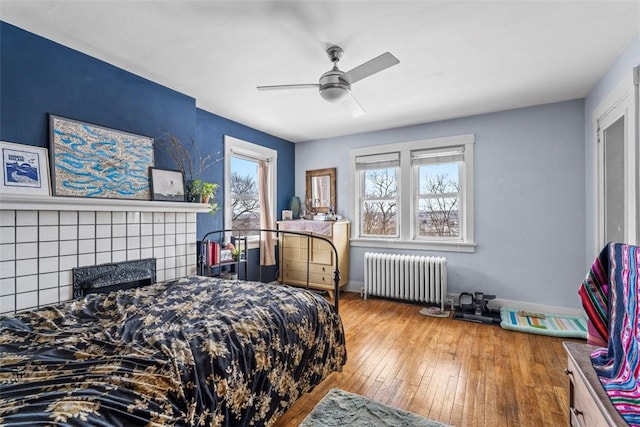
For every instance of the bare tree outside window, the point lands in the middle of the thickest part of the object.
(245, 205)
(438, 202)
(379, 202)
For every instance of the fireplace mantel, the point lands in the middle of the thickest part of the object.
(49, 203)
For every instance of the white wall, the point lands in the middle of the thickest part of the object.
(619, 74)
(529, 200)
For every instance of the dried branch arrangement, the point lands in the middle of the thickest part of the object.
(187, 158)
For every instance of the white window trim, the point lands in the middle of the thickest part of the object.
(619, 102)
(235, 146)
(406, 241)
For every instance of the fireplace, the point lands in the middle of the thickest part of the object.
(43, 239)
(114, 276)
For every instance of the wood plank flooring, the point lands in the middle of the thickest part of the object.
(455, 372)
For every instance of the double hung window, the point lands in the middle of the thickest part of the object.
(415, 194)
(438, 194)
(249, 194)
(379, 197)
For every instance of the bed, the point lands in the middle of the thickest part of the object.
(189, 352)
(309, 241)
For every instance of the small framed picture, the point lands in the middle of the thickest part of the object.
(25, 169)
(167, 185)
(287, 215)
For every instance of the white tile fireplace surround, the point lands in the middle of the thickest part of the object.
(43, 238)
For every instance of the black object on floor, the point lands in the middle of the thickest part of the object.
(491, 317)
(473, 308)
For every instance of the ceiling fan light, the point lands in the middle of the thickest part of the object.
(334, 93)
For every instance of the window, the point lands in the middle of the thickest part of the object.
(437, 183)
(243, 207)
(245, 203)
(415, 194)
(378, 175)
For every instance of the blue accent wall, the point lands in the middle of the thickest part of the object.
(210, 133)
(39, 76)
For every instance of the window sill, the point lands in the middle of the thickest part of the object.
(464, 247)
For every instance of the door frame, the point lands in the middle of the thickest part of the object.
(620, 102)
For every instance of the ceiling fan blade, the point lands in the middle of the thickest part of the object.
(352, 104)
(300, 86)
(373, 66)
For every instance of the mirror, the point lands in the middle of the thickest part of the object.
(321, 190)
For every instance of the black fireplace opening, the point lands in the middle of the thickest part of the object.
(105, 278)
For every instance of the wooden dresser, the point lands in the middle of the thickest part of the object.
(294, 252)
(589, 404)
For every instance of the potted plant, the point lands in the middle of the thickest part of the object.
(236, 254)
(204, 192)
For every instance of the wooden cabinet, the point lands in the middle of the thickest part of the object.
(295, 250)
(589, 404)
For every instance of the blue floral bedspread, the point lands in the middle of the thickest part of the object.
(191, 352)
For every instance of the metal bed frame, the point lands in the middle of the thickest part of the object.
(224, 234)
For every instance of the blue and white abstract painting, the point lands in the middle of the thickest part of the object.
(93, 161)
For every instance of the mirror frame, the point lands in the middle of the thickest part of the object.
(332, 187)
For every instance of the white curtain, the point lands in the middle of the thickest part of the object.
(267, 244)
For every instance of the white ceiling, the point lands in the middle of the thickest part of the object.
(456, 58)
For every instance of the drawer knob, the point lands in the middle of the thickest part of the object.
(567, 371)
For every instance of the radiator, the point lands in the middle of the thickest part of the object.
(406, 277)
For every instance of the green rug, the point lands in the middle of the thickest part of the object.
(341, 408)
(552, 324)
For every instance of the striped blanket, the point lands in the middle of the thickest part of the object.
(611, 297)
(556, 325)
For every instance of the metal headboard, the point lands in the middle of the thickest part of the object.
(237, 233)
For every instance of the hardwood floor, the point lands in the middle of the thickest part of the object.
(455, 372)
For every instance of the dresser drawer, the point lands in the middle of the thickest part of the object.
(300, 277)
(318, 256)
(289, 264)
(583, 410)
(322, 256)
(589, 404)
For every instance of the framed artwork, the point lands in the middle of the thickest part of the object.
(94, 161)
(167, 185)
(25, 169)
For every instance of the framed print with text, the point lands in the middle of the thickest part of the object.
(25, 169)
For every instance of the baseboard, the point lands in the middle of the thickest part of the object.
(358, 287)
(536, 308)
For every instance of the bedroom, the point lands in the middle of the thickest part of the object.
(40, 76)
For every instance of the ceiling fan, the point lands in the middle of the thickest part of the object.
(335, 85)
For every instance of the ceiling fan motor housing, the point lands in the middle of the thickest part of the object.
(333, 87)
